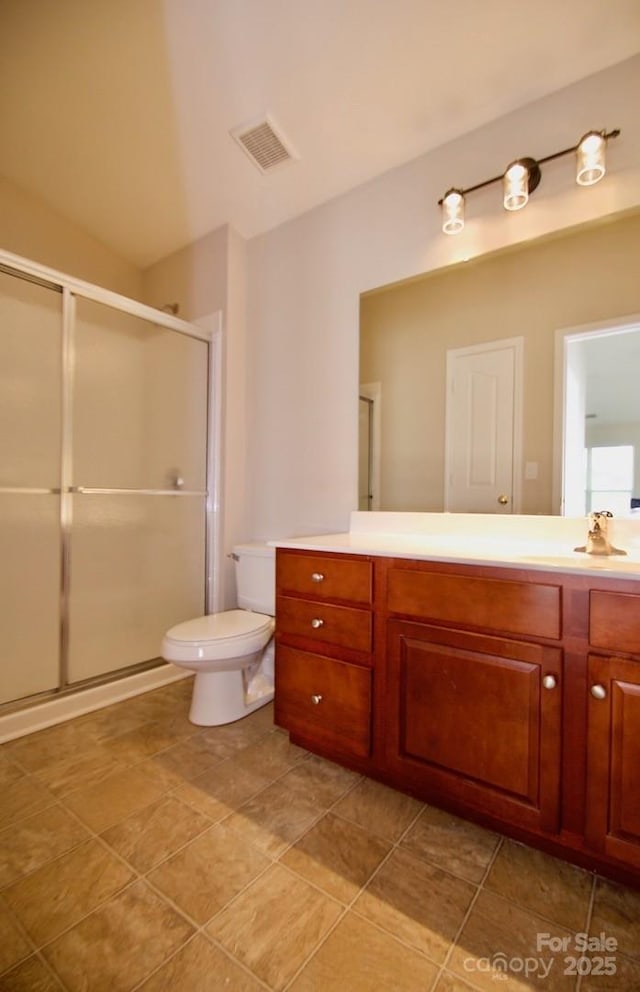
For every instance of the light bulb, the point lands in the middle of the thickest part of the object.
(453, 211)
(516, 186)
(590, 156)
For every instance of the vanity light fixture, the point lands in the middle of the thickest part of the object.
(523, 176)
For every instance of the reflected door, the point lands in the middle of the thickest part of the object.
(365, 453)
(483, 428)
(30, 453)
(138, 488)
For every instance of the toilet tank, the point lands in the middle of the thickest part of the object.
(256, 577)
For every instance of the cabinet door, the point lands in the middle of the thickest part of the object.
(471, 720)
(613, 771)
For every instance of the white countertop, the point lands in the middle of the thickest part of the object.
(544, 543)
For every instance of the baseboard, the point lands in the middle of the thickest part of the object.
(52, 711)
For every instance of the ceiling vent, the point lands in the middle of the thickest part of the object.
(264, 144)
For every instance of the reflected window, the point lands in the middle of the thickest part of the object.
(610, 478)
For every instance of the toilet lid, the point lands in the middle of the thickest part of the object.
(217, 626)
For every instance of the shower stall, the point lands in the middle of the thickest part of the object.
(106, 460)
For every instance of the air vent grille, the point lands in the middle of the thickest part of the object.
(264, 146)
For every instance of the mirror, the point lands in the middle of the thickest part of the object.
(585, 276)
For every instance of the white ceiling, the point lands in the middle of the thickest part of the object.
(117, 112)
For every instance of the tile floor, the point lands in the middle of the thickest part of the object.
(140, 852)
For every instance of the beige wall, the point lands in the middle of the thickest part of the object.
(405, 331)
(28, 227)
(195, 277)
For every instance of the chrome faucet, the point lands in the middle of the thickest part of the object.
(597, 538)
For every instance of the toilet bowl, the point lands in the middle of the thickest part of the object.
(231, 652)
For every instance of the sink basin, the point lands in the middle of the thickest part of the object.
(521, 552)
(580, 560)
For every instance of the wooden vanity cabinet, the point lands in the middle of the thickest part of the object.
(324, 652)
(510, 696)
(612, 819)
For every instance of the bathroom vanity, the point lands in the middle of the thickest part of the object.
(491, 681)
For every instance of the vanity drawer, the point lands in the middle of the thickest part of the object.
(325, 577)
(527, 608)
(614, 621)
(325, 623)
(324, 700)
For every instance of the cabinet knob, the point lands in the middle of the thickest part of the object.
(317, 577)
(503, 500)
(598, 691)
(316, 623)
(549, 682)
(316, 699)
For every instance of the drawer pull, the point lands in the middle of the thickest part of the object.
(598, 692)
(316, 699)
(549, 682)
(317, 577)
(316, 623)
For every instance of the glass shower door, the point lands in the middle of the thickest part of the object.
(30, 459)
(138, 488)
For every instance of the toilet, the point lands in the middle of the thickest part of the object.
(231, 652)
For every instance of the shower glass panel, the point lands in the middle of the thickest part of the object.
(137, 568)
(137, 539)
(139, 403)
(29, 593)
(30, 446)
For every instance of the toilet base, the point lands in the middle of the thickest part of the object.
(219, 697)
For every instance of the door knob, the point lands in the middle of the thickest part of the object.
(503, 500)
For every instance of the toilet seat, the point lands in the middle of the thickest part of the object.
(217, 636)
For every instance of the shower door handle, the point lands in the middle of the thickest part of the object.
(30, 491)
(87, 491)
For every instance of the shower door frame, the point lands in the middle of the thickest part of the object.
(210, 332)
